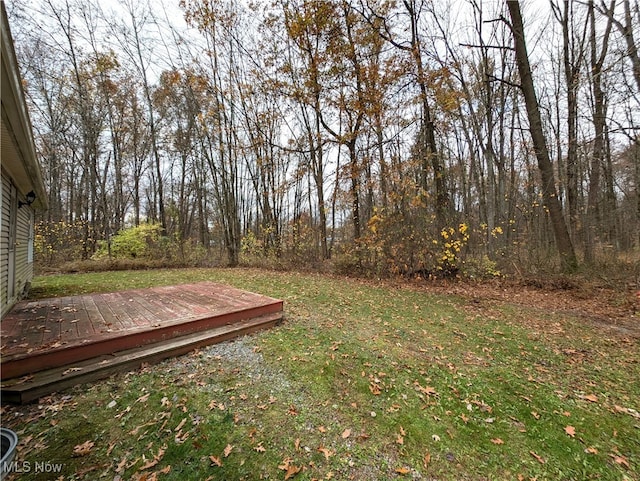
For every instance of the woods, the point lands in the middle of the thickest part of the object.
(389, 138)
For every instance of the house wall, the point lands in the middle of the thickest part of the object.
(5, 198)
(23, 266)
(4, 240)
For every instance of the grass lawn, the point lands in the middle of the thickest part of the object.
(362, 381)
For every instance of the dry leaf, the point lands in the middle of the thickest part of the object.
(110, 448)
(591, 450)
(179, 426)
(497, 441)
(83, 449)
(427, 459)
(143, 399)
(374, 388)
(327, 453)
(296, 444)
(403, 470)
(570, 430)
(156, 459)
(538, 458)
(292, 471)
(71, 369)
(260, 448)
(428, 390)
(215, 460)
(590, 397)
(122, 464)
(346, 433)
(621, 460)
(322, 429)
(629, 411)
(399, 439)
(228, 450)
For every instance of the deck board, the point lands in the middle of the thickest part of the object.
(52, 331)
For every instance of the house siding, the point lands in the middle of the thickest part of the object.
(23, 273)
(4, 243)
(24, 269)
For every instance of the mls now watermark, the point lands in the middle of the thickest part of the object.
(29, 467)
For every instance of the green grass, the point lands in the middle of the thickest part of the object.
(363, 381)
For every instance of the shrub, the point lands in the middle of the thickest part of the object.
(140, 242)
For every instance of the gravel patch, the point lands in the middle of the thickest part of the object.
(240, 357)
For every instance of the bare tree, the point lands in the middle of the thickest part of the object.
(561, 233)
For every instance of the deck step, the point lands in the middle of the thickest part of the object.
(29, 388)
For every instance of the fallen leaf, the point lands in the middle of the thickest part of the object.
(426, 459)
(428, 390)
(260, 448)
(122, 464)
(179, 426)
(590, 397)
(621, 460)
(215, 460)
(110, 448)
(570, 430)
(591, 450)
(165, 470)
(296, 444)
(322, 429)
(535, 414)
(629, 411)
(144, 398)
(403, 470)
(399, 439)
(156, 459)
(346, 433)
(327, 453)
(83, 449)
(497, 441)
(538, 458)
(292, 471)
(374, 388)
(71, 369)
(227, 450)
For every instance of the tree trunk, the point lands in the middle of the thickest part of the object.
(550, 196)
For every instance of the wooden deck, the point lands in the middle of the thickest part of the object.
(148, 324)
